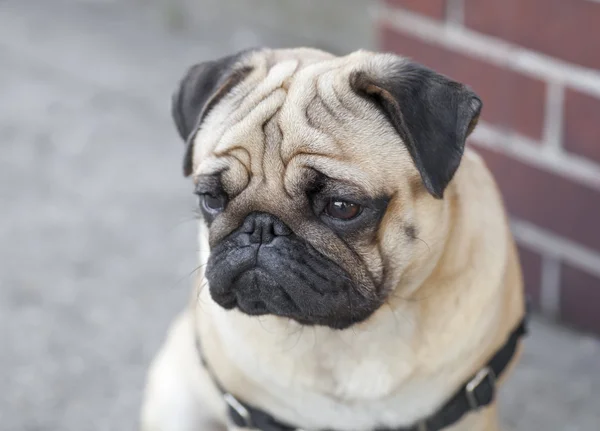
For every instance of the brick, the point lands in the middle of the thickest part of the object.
(531, 264)
(510, 100)
(582, 135)
(432, 8)
(580, 299)
(565, 29)
(551, 201)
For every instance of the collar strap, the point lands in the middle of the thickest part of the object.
(477, 392)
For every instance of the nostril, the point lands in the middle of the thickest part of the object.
(280, 229)
(264, 228)
(249, 225)
(256, 236)
(267, 233)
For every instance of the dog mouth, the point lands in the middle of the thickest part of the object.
(256, 293)
(264, 268)
(304, 287)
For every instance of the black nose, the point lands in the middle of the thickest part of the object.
(263, 228)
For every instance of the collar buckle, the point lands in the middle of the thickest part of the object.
(472, 388)
(238, 412)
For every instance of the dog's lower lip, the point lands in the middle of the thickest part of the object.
(259, 305)
(256, 308)
(255, 304)
(226, 301)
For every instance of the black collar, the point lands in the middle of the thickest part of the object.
(477, 392)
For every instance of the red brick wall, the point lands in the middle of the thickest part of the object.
(536, 65)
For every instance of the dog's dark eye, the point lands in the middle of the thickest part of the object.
(342, 210)
(212, 204)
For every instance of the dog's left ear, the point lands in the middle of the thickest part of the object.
(432, 114)
(202, 87)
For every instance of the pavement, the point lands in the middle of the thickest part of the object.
(97, 233)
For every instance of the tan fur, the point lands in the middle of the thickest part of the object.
(455, 291)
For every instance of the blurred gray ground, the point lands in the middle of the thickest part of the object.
(97, 237)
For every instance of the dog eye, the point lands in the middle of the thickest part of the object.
(342, 210)
(212, 204)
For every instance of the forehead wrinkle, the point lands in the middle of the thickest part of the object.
(233, 109)
(271, 80)
(257, 154)
(296, 164)
(334, 168)
(318, 78)
(258, 86)
(269, 73)
(247, 133)
(327, 83)
(348, 107)
(239, 153)
(310, 106)
(325, 90)
(313, 120)
(272, 163)
(257, 106)
(328, 109)
(299, 138)
(246, 140)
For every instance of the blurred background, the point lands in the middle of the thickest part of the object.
(97, 235)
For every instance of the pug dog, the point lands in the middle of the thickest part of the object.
(357, 271)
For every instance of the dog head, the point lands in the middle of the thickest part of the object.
(317, 176)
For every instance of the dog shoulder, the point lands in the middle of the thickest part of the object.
(177, 385)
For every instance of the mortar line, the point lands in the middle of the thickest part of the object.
(529, 151)
(491, 49)
(553, 117)
(550, 286)
(548, 243)
(455, 12)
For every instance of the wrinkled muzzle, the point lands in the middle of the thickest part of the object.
(264, 268)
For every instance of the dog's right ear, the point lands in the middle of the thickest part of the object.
(199, 91)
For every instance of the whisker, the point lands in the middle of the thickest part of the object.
(261, 319)
(413, 298)
(394, 313)
(181, 222)
(423, 241)
(199, 290)
(387, 302)
(188, 275)
(314, 338)
(299, 331)
(350, 305)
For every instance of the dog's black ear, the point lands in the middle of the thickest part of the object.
(199, 91)
(432, 114)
